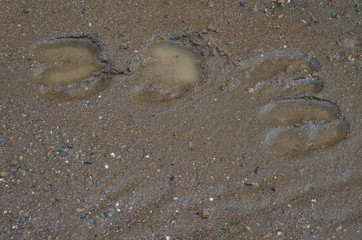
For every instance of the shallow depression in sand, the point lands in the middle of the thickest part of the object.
(295, 140)
(170, 75)
(288, 112)
(69, 62)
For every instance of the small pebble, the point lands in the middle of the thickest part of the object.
(280, 3)
(273, 189)
(14, 162)
(257, 169)
(211, 199)
(3, 174)
(338, 228)
(249, 183)
(212, 28)
(205, 213)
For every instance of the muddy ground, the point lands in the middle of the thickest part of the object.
(264, 145)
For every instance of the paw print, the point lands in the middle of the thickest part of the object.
(72, 69)
(301, 122)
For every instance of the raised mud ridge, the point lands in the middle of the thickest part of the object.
(73, 70)
(302, 122)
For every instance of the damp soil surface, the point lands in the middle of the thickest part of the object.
(174, 119)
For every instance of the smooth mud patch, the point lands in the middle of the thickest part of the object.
(174, 69)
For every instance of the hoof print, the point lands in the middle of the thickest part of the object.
(311, 136)
(303, 122)
(286, 140)
(72, 71)
(290, 82)
(171, 74)
(289, 112)
(273, 63)
(160, 92)
(310, 83)
(304, 125)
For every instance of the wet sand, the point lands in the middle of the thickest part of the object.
(267, 141)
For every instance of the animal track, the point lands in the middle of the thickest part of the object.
(170, 75)
(176, 63)
(73, 70)
(309, 136)
(290, 82)
(293, 111)
(303, 122)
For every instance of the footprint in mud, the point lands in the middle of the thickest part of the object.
(72, 70)
(303, 122)
(304, 125)
(170, 75)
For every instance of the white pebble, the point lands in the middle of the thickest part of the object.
(211, 199)
(106, 166)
